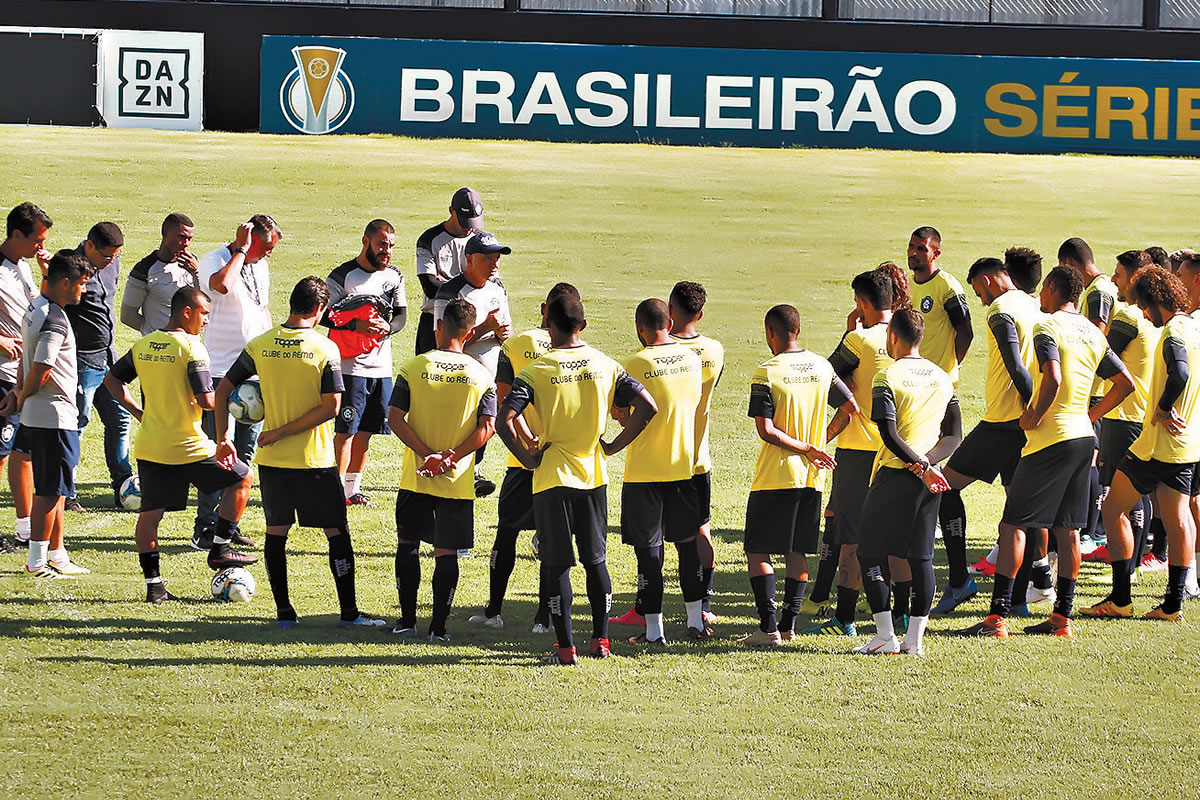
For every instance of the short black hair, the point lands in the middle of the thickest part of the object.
(1067, 282)
(928, 232)
(1133, 260)
(908, 325)
(308, 294)
(652, 314)
(1024, 265)
(566, 313)
(1159, 256)
(875, 287)
(377, 225)
(561, 289)
(984, 266)
(176, 220)
(186, 297)
(263, 225)
(784, 320)
(690, 297)
(459, 316)
(1077, 250)
(26, 217)
(68, 265)
(104, 235)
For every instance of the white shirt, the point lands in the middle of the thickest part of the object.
(17, 291)
(486, 299)
(238, 315)
(441, 256)
(47, 339)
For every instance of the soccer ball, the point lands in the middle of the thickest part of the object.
(246, 403)
(235, 585)
(130, 494)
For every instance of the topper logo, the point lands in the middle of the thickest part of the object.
(667, 361)
(583, 362)
(158, 347)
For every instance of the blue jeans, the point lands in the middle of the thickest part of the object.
(115, 418)
(245, 444)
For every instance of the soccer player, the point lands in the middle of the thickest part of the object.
(1163, 458)
(659, 502)
(994, 445)
(172, 449)
(299, 372)
(860, 354)
(783, 513)
(939, 297)
(572, 388)
(515, 509)
(443, 408)
(441, 256)
(914, 407)
(1049, 488)
(146, 303)
(370, 279)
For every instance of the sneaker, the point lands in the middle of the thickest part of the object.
(43, 571)
(439, 638)
(1107, 609)
(599, 648)
(878, 646)
(202, 540)
(982, 567)
(287, 624)
(486, 621)
(72, 504)
(465, 553)
(698, 634)
(1034, 595)
(362, 621)
(652, 643)
(223, 557)
(1100, 553)
(405, 631)
(1019, 611)
(760, 639)
(1158, 613)
(899, 622)
(1191, 592)
(953, 598)
(483, 486)
(157, 593)
(7, 545)
(630, 617)
(241, 540)
(994, 626)
(359, 499)
(539, 627)
(831, 627)
(785, 636)
(814, 609)
(534, 547)
(1150, 563)
(1057, 625)
(708, 617)
(562, 657)
(907, 649)
(68, 567)
(1088, 545)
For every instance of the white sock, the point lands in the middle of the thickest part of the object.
(24, 529)
(155, 579)
(992, 554)
(915, 633)
(695, 614)
(58, 556)
(219, 540)
(37, 554)
(353, 479)
(654, 627)
(883, 625)
(1190, 576)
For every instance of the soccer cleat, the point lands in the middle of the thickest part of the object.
(698, 634)
(1034, 595)
(993, 626)
(483, 486)
(1191, 592)
(157, 593)
(831, 627)
(660, 642)
(599, 648)
(43, 571)
(907, 649)
(786, 636)
(72, 504)
(815, 609)
(1107, 609)
(541, 627)
(68, 567)
(562, 657)
(1099, 553)
(7, 545)
(1057, 625)
(439, 638)
(287, 624)
(708, 617)
(359, 499)
(1151, 563)
(202, 540)
(534, 547)
(952, 598)
(878, 646)
(630, 617)
(1019, 611)
(1158, 613)
(223, 557)
(241, 540)
(1089, 544)
(362, 621)
(405, 631)
(486, 621)
(982, 567)
(761, 639)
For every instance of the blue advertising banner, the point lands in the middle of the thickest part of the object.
(751, 98)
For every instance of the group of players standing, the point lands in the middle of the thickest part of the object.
(548, 395)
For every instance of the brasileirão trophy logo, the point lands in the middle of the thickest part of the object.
(317, 96)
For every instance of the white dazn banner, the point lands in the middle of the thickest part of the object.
(151, 79)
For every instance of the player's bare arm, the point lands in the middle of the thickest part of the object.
(120, 392)
(319, 414)
(641, 411)
(781, 439)
(226, 277)
(528, 456)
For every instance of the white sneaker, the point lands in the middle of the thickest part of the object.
(1191, 592)
(878, 646)
(1036, 595)
(68, 567)
(907, 649)
(540, 628)
(486, 621)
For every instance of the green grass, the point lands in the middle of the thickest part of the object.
(104, 696)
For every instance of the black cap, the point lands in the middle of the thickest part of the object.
(468, 208)
(484, 242)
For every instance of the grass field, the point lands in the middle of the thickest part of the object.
(104, 696)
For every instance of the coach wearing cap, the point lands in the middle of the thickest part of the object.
(441, 255)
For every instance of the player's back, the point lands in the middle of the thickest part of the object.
(919, 391)
(792, 389)
(1156, 442)
(866, 348)
(1080, 346)
(712, 364)
(1130, 324)
(515, 354)
(1002, 402)
(665, 450)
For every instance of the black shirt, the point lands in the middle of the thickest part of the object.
(94, 319)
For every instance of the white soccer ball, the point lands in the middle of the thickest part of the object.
(234, 585)
(246, 403)
(130, 494)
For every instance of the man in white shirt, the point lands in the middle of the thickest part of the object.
(236, 278)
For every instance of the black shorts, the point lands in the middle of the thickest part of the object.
(515, 507)
(567, 518)
(426, 341)
(55, 454)
(166, 486)
(1195, 492)
(1052, 487)
(1092, 402)
(899, 516)
(783, 521)
(703, 484)
(8, 425)
(1146, 476)
(990, 449)
(21, 441)
(1116, 436)
(313, 497)
(653, 513)
(364, 405)
(851, 478)
(444, 522)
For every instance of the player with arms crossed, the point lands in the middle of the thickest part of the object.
(443, 407)
(301, 379)
(572, 388)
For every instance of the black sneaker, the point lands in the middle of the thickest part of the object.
(7, 545)
(241, 540)
(359, 499)
(202, 540)
(483, 486)
(157, 593)
(224, 556)
(73, 504)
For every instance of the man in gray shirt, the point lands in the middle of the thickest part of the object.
(153, 281)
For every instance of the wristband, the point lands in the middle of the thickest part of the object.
(242, 250)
